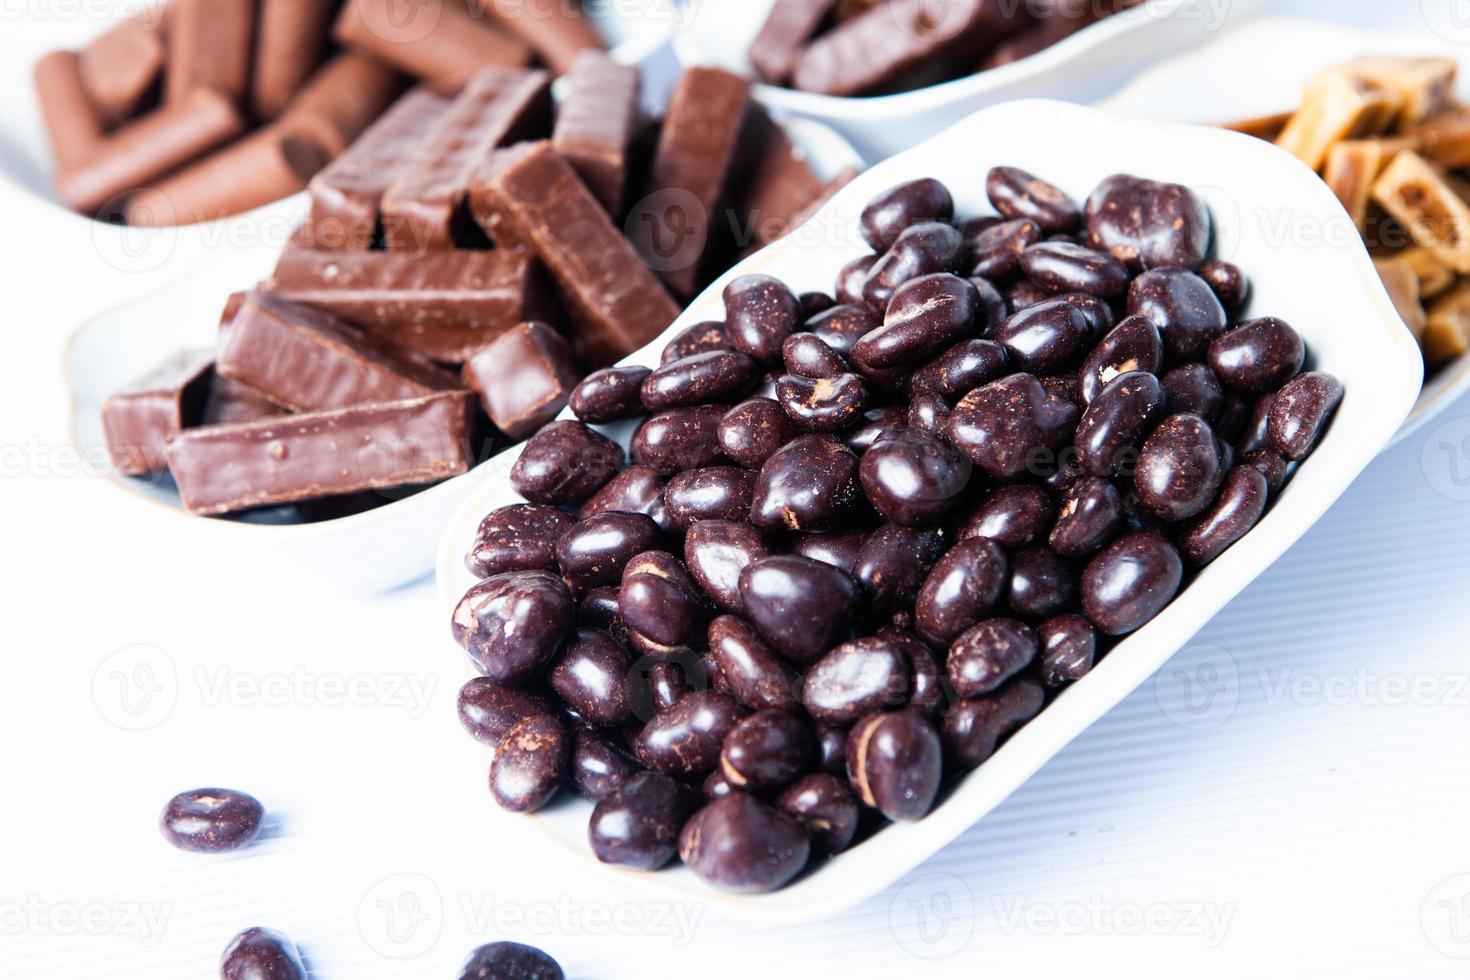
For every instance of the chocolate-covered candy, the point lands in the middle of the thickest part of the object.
(742, 846)
(1117, 421)
(896, 209)
(995, 254)
(1194, 388)
(516, 538)
(961, 590)
(840, 549)
(808, 356)
(565, 463)
(1132, 580)
(638, 825)
(697, 339)
(894, 562)
(848, 289)
(1023, 293)
(825, 806)
(609, 395)
(855, 679)
(713, 493)
(766, 751)
(1042, 584)
(598, 768)
(639, 489)
(760, 313)
(1179, 469)
(876, 425)
(832, 749)
(1133, 345)
(822, 404)
(841, 327)
(716, 552)
(684, 741)
(1017, 194)
(667, 684)
(920, 250)
(512, 624)
(925, 315)
(1240, 505)
(1005, 424)
(1091, 515)
(992, 308)
(510, 961)
(1044, 337)
(894, 763)
(815, 302)
(1060, 267)
(1257, 431)
(751, 431)
(261, 954)
(1258, 355)
(973, 728)
(1068, 649)
(1229, 282)
(1012, 516)
(660, 604)
(960, 369)
(757, 676)
(591, 676)
(593, 551)
(1301, 411)
(680, 439)
(1182, 306)
(802, 607)
(598, 609)
(488, 710)
(928, 413)
(988, 654)
(914, 478)
(208, 821)
(530, 763)
(1272, 465)
(810, 484)
(926, 677)
(716, 786)
(713, 376)
(1147, 224)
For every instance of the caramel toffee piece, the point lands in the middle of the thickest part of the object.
(698, 161)
(441, 43)
(596, 123)
(290, 42)
(230, 402)
(343, 98)
(225, 468)
(529, 198)
(555, 28)
(523, 378)
(210, 44)
(72, 124)
(424, 207)
(442, 306)
(791, 24)
(345, 196)
(121, 67)
(311, 361)
(138, 421)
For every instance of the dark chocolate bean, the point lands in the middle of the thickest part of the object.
(1183, 307)
(813, 303)
(876, 424)
(808, 356)
(598, 768)
(920, 250)
(1241, 503)
(926, 678)
(684, 742)
(810, 484)
(207, 821)
(565, 463)
(598, 609)
(1179, 469)
(1301, 411)
(1132, 580)
(609, 395)
(680, 439)
(716, 786)
(667, 685)
(520, 537)
(661, 605)
(832, 749)
(716, 552)
(1194, 388)
(261, 954)
(1017, 194)
(925, 316)
(1272, 465)
(1005, 424)
(898, 208)
(895, 763)
(751, 431)
(512, 624)
(822, 404)
(1229, 283)
(824, 805)
(1090, 517)
(1259, 355)
(802, 607)
(766, 751)
(840, 549)
(488, 710)
(962, 590)
(1059, 267)
(530, 763)
(1116, 423)
(1012, 516)
(757, 676)
(1099, 315)
(591, 676)
(510, 961)
(638, 825)
(1042, 584)
(714, 493)
(855, 679)
(961, 369)
(848, 289)
(995, 253)
(1133, 345)
(1147, 224)
(1044, 337)
(714, 376)
(1068, 649)
(739, 845)
(594, 551)
(928, 413)
(914, 478)
(973, 728)
(988, 654)
(894, 562)
(760, 313)
(697, 339)
(1023, 293)
(637, 490)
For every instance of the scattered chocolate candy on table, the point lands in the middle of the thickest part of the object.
(510, 961)
(209, 821)
(261, 954)
(865, 538)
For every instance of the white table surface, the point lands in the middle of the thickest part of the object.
(1288, 798)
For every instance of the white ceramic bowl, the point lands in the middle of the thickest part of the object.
(1091, 62)
(362, 553)
(1282, 52)
(1330, 294)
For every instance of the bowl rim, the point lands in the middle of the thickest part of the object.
(1136, 657)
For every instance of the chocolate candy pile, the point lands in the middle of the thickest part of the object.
(862, 539)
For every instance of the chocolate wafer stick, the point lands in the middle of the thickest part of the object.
(789, 26)
(210, 44)
(72, 124)
(440, 43)
(290, 41)
(343, 98)
(555, 28)
(121, 67)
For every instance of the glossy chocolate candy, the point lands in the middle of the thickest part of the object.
(208, 821)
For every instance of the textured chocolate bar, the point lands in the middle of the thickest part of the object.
(310, 361)
(790, 25)
(442, 306)
(224, 468)
(529, 198)
(138, 421)
(121, 67)
(424, 208)
(440, 42)
(596, 123)
(523, 378)
(345, 197)
(230, 402)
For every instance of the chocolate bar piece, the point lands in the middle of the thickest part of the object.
(230, 402)
(555, 28)
(710, 128)
(72, 125)
(342, 99)
(529, 198)
(790, 25)
(138, 420)
(310, 361)
(424, 208)
(225, 468)
(441, 43)
(596, 124)
(523, 378)
(121, 67)
(290, 42)
(442, 306)
(210, 43)
(345, 196)
(782, 187)
(909, 41)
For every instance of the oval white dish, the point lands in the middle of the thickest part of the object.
(1332, 295)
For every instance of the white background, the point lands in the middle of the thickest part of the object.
(1289, 797)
